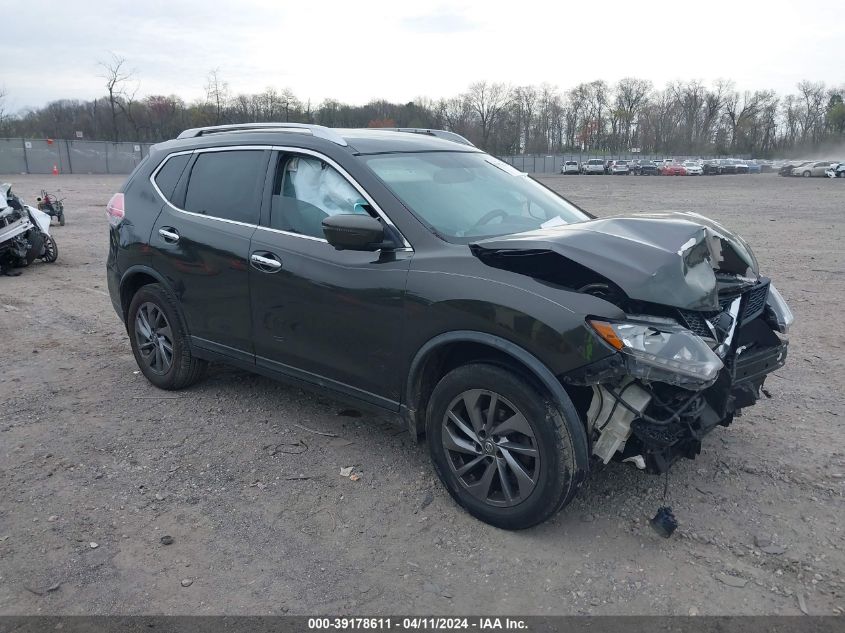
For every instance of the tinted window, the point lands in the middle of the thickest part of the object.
(307, 190)
(168, 175)
(224, 185)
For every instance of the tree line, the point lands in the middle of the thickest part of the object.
(683, 117)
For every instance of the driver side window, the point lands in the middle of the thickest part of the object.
(307, 190)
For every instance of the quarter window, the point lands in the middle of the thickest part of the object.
(169, 174)
(225, 184)
(307, 190)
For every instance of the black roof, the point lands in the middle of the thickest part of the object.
(375, 141)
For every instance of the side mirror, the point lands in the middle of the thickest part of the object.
(354, 232)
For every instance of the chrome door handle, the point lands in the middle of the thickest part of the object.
(169, 234)
(265, 262)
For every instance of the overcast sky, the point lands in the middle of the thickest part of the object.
(357, 51)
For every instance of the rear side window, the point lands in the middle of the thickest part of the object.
(225, 185)
(169, 174)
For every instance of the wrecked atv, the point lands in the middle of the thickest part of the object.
(702, 327)
(24, 233)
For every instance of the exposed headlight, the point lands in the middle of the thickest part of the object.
(662, 351)
(780, 314)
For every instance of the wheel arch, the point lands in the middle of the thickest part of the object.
(135, 278)
(452, 349)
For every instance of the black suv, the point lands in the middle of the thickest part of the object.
(409, 272)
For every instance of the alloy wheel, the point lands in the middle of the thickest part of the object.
(491, 448)
(154, 338)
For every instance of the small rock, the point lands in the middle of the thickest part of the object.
(802, 604)
(762, 540)
(427, 499)
(93, 545)
(587, 518)
(693, 611)
(731, 581)
(187, 582)
(431, 588)
(52, 518)
(773, 549)
(166, 540)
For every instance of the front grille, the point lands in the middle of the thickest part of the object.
(755, 302)
(696, 322)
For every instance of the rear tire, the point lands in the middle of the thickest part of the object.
(513, 467)
(159, 341)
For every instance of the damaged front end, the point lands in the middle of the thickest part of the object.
(702, 330)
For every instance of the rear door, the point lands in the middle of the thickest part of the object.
(330, 317)
(200, 243)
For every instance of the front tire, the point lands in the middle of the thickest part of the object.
(51, 251)
(503, 449)
(159, 341)
(806, 174)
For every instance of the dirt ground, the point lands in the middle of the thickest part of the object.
(96, 465)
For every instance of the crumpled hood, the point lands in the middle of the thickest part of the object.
(669, 258)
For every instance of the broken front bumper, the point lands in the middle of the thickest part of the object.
(654, 424)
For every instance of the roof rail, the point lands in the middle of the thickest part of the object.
(318, 131)
(444, 134)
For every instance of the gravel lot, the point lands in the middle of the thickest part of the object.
(96, 465)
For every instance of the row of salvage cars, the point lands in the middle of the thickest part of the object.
(666, 167)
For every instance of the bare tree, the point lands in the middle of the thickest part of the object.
(812, 109)
(217, 94)
(631, 95)
(525, 98)
(2, 106)
(116, 75)
(488, 101)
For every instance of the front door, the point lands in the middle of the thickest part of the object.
(322, 315)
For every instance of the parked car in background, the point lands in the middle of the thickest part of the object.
(786, 168)
(754, 167)
(693, 168)
(570, 167)
(711, 167)
(673, 169)
(812, 169)
(837, 170)
(726, 166)
(740, 166)
(620, 168)
(594, 166)
(647, 168)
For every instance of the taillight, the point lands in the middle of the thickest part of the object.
(114, 209)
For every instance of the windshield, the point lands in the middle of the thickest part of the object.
(463, 196)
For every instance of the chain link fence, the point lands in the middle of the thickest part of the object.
(43, 156)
